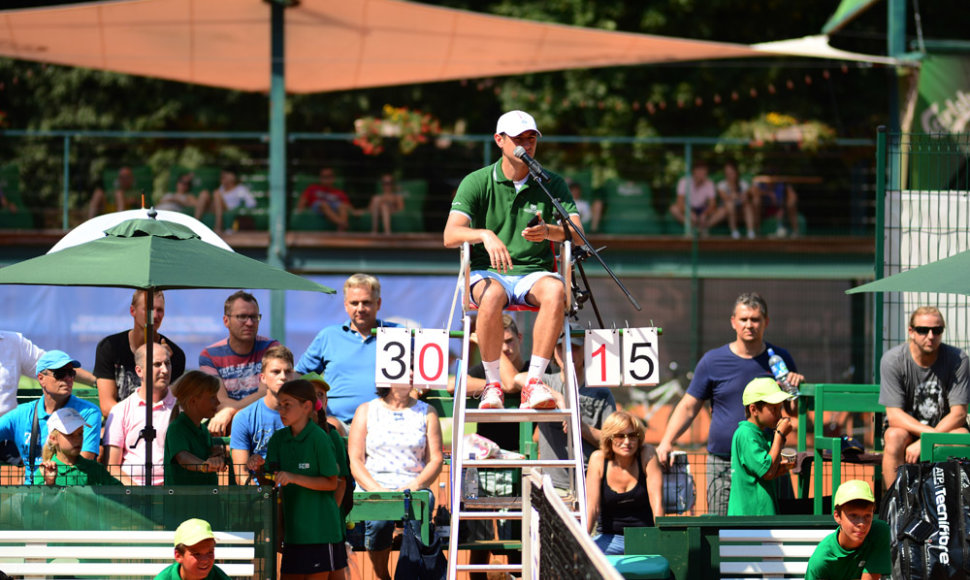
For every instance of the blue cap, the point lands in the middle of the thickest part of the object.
(55, 359)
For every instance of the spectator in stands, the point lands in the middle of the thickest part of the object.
(346, 354)
(327, 200)
(624, 483)
(230, 195)
(183, 198)
(191, 457)
(255, 424)
(860, 547)
(123, 197)
(756, 458)
(389, 201)
(772, 195)
(19, 357)
(123, 437)
(195, 554)
(55, 373)
(704, 212)
(237, 360)
(394, 444)
(721, 376)
(596, 404)
(734, 192)
(924, 387)
(114, 360)
(62, 462)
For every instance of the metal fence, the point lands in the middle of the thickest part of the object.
(55, 172)
(924, 203)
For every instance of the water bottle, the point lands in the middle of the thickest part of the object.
(780, 370)
(469, 486)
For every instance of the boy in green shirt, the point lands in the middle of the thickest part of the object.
(195, 554)
(860, 547)
(755, 458)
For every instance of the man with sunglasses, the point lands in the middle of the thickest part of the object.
(924, 387)
(237, 359)
(26, 425)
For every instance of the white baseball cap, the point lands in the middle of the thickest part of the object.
(66, 420)
(514, 123)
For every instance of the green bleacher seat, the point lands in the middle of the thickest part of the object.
(629, 209)
(19, 218)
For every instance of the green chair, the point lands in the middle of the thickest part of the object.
(838, 397)
(253, 218)
(629, 209)
(20, 217)
(411, 218)
(942, 446)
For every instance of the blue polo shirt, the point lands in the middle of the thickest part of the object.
(346, 360)
(16, 425)
(720, 377)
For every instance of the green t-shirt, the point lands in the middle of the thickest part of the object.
(172, 573)
(84, 472)
(309, 516)
(184, 435)
(831, 561)
(750, 494)
(490, 202)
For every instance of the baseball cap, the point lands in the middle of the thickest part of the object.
(66, 420)
(514, 123)
(763, 389)
(55, 359)
(316, 378)
(191, 532)
(851, 491)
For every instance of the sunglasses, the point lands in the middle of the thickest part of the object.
(625, 436)
(59, 374)
(922, 330)
(247, 317)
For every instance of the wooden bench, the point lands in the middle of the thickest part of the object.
(767, 553)
(103, 554)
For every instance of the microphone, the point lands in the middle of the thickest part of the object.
(534, 167)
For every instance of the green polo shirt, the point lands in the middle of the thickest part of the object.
(84, 472)
(490, 202)
(184, 435)
(831, 561)
(172, 573)
(751, 495)
(309, 516)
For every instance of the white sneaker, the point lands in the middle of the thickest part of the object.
(751, 235)
(492, 397)
(536, 395)
(781, 232)
(735, 235)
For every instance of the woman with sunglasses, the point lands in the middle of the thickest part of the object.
(624, 484)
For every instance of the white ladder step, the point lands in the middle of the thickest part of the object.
(514, 463)
(483, 515)
(489, 567)
(516, 415)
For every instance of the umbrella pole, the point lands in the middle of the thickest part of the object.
(148, 433)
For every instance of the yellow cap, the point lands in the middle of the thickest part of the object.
(191, 532)
(763, 389)
(851, 491)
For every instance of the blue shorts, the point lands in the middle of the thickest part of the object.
(610, 544)
(516, 287)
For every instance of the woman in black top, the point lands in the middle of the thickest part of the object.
(624, 485)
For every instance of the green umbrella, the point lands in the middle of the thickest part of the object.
(948, 275)
(152, 255)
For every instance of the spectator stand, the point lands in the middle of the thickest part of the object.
(144, 185)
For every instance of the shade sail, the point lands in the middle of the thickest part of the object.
(330, 45)
(949, 275)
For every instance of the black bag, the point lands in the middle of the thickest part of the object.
(928, 512)
(417, 560)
